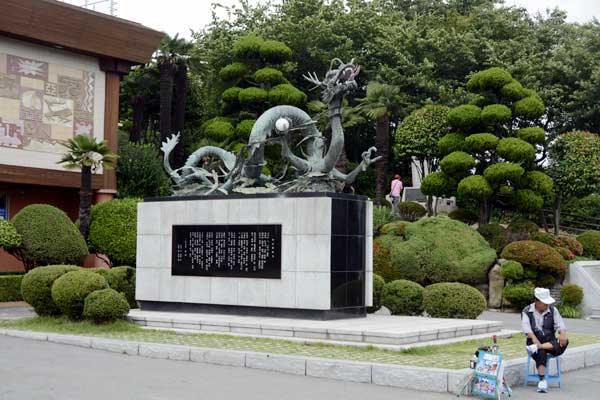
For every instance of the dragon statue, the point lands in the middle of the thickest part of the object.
(315, 169)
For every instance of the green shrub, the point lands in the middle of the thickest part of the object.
(496, 235)
(70, 290)
(464, 116)
(437, 184)
(474, 187)
(105, 273)
(10, 288)
(495, 114)
(49, 236)
(539, 182)
(513, 90)
(512, 270)
(140, 172)
(501, 172)
(9, 237)
(533, 135)
(382, 260)
(527, 201)
(457, 163)
(522, 229)
(244, 128)
(113, 230)
(36, 287)
(411, 211)
(381, 216)
(286, 94)
(491, 78)
(530, 107)
(519, 295)
(248, 47)
(440, 250)
(545, 280)
(275, 52)
(233, 72)
(515, 150)
(105, 305)
(480, 142)
(378, 284)
(403, 297)
(571, 244)
(252, 96)
(269, 76)
(122, 279)
(590, 240)
(589, 205)
(538, 255)
(453, 300)
(450, 143)
(217, 129)
(231, 95)
(397, 228)
(567, 311)
(571, 294)
(464, 215)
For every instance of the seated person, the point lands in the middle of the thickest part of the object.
(540, 321)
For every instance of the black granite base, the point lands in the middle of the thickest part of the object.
(348, 312)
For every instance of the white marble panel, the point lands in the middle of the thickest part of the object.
(313, 216)
(313, 290)
(243, 211)
(172, 288)
(279, 211)
(252, 292)
(224, 291)
(281, 293)
(197, 289)
(147, 283)
(289, 244)
(369, 220)
(148, 251)
(149, 218)
(369, 253)
(198, 212)
(369, 289)
(313, 253)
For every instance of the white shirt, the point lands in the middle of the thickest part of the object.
(538, 318)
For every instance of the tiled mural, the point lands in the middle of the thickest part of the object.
(43, 104)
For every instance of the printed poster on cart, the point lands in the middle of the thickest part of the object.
(488, 375)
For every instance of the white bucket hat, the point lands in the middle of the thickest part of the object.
(543, 295)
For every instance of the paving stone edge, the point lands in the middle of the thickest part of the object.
(401, 376)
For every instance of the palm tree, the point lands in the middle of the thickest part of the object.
(88, 155)
(382, 105)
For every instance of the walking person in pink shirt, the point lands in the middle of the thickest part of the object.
(395, 193)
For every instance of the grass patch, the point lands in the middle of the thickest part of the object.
(452, 356)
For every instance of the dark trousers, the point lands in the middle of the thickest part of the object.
(541, 355)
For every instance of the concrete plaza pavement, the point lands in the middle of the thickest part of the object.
(43, 370)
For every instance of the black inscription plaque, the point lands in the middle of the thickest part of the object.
(240, 251)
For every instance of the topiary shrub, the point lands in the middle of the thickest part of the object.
(495, 114)
(464, 116)
(218, 129)
(539, 182)
(122, 279)
(522, 229)
(233, 72)
(248, 47)
(275, 52)
(113, 230)
(403, 297)
(378, 284)
(527, 201)
(590, 240)
(502, 172)
(513, 90)
(545, 280)
(411, 211)
(49, 237)
(519, 295)
(10, 288)
(571, 294)
(70, 290)
(538, 255)
(496, 235)
(286, 94)
(231, 95)
(453, 300)
(9, 237)
(480, 142)
(395, 228)
(532, 135)
(450, 143)
(36, 287)
(269, 76)
(515, 150)
(457, 163)
(252, 96)
(530, 107)
(105, 305)
(474, 187)
(567, 311)
(105, 273)
(489, 79)
(463, 215)
(437, 184)
(512, 270)
(571, 244)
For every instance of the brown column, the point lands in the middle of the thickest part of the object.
(111, 125)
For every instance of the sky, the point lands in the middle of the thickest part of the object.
(179, 16)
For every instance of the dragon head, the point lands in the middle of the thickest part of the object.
(338, 81)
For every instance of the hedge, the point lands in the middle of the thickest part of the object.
(538, 255)
(10, 288)
(70, 290)
(453, 300)
(9, 237)
(567, 311)
(590, 240)
(382, 260)
(403, 297)
(411, 211)
(36, 287)
(378, 284)
(122, 279)
(105, 305)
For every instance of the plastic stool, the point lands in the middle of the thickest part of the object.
(529, 377)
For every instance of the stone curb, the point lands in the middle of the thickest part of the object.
(401, 376)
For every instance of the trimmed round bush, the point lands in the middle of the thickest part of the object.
(530, 107)
(218, 130)
(571, 244)
(269, 76)
(9, 237)
(475, 187)
(545, 281)
(515, 150)
(378, 284)
(522, 229)
(437, 184)
(533, 135)
(403, 297)
(231, 95)
(496, 235)
(501, 172)
(382, 259)
(450, 143)
(590, 240)
(453, 300)
(286, 94)
(397, 228)
(105, 305)
(495, 114)
(491, 78)
(512, 270)
(457, 163)
(233, 72)
(244, 128)
(275, 52)
(464, 215)
(465, 116)
(70, 290)
(36, 287)
(122, 279)
(49, 236)
(571, 294)
(527, 201)
(539, 182)
(569, 311)
(480, 142)
(252, 96)
(411, 211)
(247, 47)
(538, 255)
(105, 273)
(113, 230)
(513, 91)
(519, 295)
